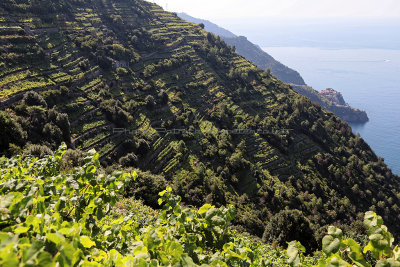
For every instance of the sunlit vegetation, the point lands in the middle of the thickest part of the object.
(151, 91)
(62, 208)
(76, 217)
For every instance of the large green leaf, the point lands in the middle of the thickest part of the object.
(330, 244)
(87, 242)
(205, 208)
(294, 253)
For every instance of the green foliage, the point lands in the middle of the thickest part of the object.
(341, 251)
(51, 217)
(129, 160)
(116, 113)
(72, 158)
(43, 125)
(11, 131)
(35, 150)
(295, 252)
(289, 225)
(32, 98)
(150, 101)
(145, 187)
(179, 77)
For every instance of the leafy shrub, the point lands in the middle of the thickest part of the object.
(341, 251)
(146, 187)
(62, 121)
(122, 71)
(47, 215)
(52, 132)
(11, 131)
(163, 96)
(14, 150)
(150, 101)
(289, 225)
(37, 117)
(64, 90)
(31, 98)
(129, 160)
(142, 146)
(39, 151)
(115, 112)
(72, 158)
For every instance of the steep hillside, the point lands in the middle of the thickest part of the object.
(263, 60)
(150, 90)
(250, 51)
(208, 26)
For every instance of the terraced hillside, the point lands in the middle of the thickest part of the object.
(260, 58)
(149, 90)
(250, 51)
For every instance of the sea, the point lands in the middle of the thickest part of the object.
(369, 79)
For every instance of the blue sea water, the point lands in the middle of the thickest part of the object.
(369, 79)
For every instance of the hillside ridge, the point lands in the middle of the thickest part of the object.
(149, 90)
(262, 59)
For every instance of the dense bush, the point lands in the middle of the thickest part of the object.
(73, 158)
(32, 98)
(62, 121)
(115, 112)
(11, 132)
(142, 146)
(289, 225)
(39, 151)
(146, 188)
(129, 160)
(150, 101)
(52, 132)
(163, 96)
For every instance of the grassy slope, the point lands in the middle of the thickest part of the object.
(318, 166)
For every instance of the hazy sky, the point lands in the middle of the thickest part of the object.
(229, 9)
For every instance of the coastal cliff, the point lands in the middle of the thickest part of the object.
(333, 101)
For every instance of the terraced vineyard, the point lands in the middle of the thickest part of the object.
(151, 91)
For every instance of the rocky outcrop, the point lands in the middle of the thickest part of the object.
(333, 101)
(349, 114)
